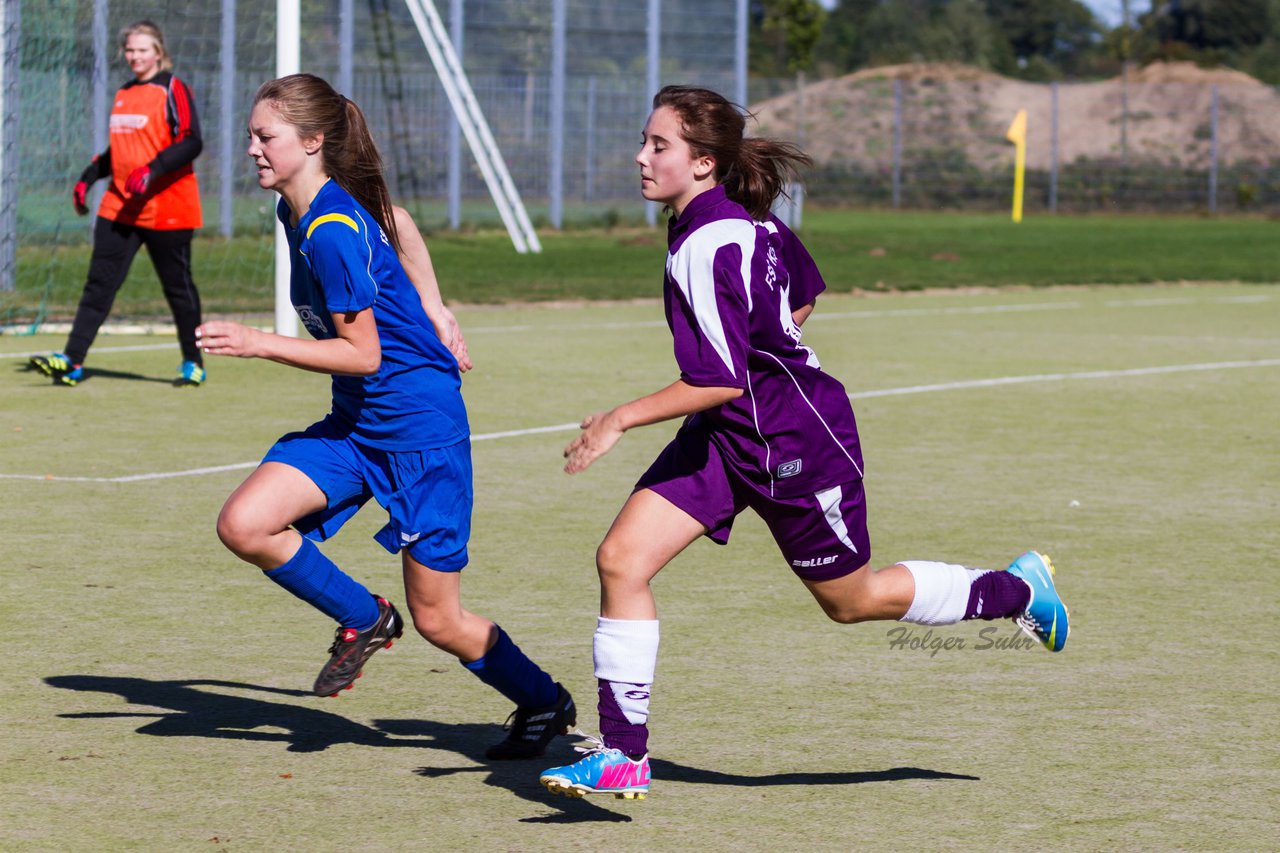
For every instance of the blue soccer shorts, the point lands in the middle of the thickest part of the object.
(427, 493)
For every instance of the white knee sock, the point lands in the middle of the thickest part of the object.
(626, 655)
(942, 592)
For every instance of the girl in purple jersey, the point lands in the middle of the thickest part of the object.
(764, 428)
(397, 432)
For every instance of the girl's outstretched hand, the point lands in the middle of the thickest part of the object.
(221, 337)
(600, 433)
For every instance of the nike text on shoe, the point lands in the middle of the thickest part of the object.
(1045, 618)
(57, 367)
(602, 771)
(190, 375)
(529, 730)
(351, 648)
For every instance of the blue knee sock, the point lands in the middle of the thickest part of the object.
(509, 671)
(314, 578)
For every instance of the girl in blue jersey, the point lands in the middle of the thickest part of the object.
(766, 428)
(398, 429)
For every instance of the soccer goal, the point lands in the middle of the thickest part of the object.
(507, 113)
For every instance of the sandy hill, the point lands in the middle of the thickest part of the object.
(963, 108)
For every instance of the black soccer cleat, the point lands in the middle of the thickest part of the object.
(529, 730)
(57, 367)
(352, 648)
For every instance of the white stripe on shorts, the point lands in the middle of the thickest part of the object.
(829, 500)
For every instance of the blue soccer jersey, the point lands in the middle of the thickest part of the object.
(343, 262)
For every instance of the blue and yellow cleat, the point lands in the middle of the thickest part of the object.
(1045, 618)
(602, 771)
(57, 367)
(190, 375)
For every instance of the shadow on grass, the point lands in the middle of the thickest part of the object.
(518, 777)
(204, 713)
(679, 773)
(97, 373)
(196, 712)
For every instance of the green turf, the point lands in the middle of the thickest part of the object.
(857, 250)
(154, 686)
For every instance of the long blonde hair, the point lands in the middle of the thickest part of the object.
(314, 108)
(147, 28)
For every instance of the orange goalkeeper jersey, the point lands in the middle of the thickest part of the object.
(153, 124)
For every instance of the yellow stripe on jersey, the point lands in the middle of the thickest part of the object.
(332, 217)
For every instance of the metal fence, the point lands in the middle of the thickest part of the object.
(613, 52)
(910, 141)
(912, 138)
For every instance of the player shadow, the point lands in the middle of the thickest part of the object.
(518, 777)
(101, 373)
(195, 712)
(203, 713)
(96, 373)
(668, 770)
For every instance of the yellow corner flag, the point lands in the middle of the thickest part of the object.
(1017, 134)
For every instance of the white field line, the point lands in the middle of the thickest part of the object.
(858, 395)
(173, 345)
(1059, 377)
(817, 316)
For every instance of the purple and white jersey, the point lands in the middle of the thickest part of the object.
(731, 286)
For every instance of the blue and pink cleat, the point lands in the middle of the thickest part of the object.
(1045, 618)
(601, 771)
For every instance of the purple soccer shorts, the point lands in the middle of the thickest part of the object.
(822, 535)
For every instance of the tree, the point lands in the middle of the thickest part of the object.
(1224, 25)
(788, 31)
(1059, 32)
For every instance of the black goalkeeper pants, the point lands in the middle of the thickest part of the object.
(114, 247)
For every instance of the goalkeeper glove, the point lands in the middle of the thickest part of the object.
(138, 180)
(78, 198)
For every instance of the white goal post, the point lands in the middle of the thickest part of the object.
(465, 108)
(288, 61)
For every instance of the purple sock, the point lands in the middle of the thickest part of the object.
(616, 730)
(997, 595)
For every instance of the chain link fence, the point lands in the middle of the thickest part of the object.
(933, 137)
(893, 138)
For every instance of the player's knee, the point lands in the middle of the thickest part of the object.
(845, 613)
(614, 564)
(237, 530)
(434, 624)
(856, 599)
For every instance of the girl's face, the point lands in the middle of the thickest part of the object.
(279, 153)
(143, 55)
(669, 173)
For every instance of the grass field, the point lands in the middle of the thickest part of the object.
(866, 251)
(156, 687)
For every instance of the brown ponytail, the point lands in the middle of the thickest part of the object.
(753, 171)
(313, 108)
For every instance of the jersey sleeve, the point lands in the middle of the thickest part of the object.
(184, 126)
(709, 320)
(341, 259)
(806, 281)
(98, 168)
